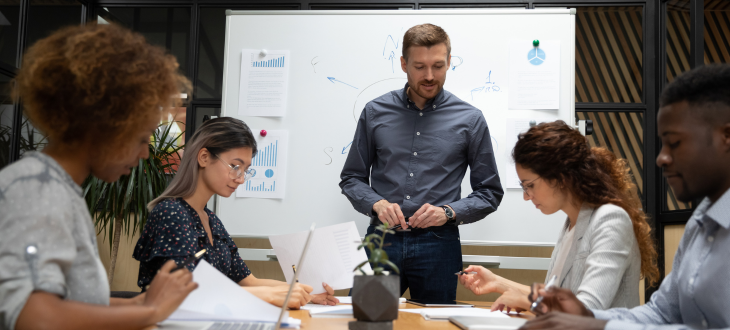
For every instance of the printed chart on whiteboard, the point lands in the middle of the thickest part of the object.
(264, 83)
(270, 165)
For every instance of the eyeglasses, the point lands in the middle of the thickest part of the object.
(236, 172)
(525, 187)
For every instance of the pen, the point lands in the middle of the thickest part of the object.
(295, 273)
(399, 226)
(465, 273)
(190, 260)
(549, 285)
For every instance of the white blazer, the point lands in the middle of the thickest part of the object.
(603, 266)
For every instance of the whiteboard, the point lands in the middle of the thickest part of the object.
(362, 49)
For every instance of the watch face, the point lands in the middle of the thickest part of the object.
(449, 213)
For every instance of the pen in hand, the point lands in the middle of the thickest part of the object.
(294, 268)
(549, 285)
(465, 273)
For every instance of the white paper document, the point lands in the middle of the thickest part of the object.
(534, 75)
(348, 300)
(339, 311)
(331, 258)
(444, 313)
(217, 298)
(264, 83)
(270, 165)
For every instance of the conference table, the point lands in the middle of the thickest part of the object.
(405, 321)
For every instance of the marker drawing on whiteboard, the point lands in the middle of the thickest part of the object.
(328, 155)
(488, 87)
(332, 79)
(453, 62)
(346, 147)
(314, 63)
(391, 54)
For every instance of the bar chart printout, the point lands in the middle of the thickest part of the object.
(270, 165)
(264, 83)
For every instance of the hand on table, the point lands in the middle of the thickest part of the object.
(325, 298)
(276, 295)
(512, 299)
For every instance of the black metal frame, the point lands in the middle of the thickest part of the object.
(653, 29)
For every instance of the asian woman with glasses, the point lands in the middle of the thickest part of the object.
(216, 161)
(605, 245)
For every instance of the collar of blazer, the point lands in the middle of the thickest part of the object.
(581, 225)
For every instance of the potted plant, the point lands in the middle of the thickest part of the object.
(122, 205)
(375, 297)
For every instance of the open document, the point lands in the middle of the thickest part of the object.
(217, 298)
(264, 83)
(332, 256)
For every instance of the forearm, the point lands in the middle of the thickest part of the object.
(505, 284)
(48, 311)
(261, 282)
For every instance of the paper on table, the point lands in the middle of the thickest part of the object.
(329, 311)
(270, 166)
(534, 75)
(348, 300)
(217, 298)
(332, 256)
(445, 313)
(264, 83)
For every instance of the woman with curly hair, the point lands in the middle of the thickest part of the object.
(98, 92)
(605, 246)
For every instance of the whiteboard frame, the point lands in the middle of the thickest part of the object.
(496, 11)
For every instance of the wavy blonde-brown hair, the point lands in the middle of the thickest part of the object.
(559, 153)
(98, 84)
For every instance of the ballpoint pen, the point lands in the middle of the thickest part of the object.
(549, 285)
(294, 268)
(190, 260)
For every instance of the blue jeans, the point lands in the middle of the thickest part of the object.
(427, 259)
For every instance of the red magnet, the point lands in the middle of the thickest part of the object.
(263, 132)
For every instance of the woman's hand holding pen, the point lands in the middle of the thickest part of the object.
(483, 282)
(327, 297)
(168, 290)
(276, 295)
(557, 300)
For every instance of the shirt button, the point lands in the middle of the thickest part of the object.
(408, 197)
(411, 174)
(704, 323)
(691, 281)
(418, 133)
(408, 106)
(420, 113)
(434, 106)
(710, 239)
(415, 154)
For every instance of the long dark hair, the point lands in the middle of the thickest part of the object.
(218, 136)
(558, 153)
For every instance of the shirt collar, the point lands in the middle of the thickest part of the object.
(431, 104)
(719, 211)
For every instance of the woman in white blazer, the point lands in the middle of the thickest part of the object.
(604, 247)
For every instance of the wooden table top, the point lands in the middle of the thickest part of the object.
(405, 321)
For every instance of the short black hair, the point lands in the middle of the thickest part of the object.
(706, 84)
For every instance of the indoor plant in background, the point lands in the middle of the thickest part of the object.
(122, 205)
(375, 297)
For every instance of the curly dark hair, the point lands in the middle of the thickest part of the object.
(96, 83)
(558, 153)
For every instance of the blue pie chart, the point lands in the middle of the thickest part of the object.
(536, 56)
(269, 173)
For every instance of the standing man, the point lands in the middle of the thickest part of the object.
(408, 159)
(694, 127)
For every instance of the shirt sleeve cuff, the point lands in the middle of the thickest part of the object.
(461, 212)
(368, 202)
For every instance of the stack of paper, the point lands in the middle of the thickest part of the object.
(445, 313)
(340, 311)
(331, 258)
(217, 298)
(348, 300)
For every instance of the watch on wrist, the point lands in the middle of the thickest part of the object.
(449, 215)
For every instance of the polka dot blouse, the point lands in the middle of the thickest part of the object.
(174, 232)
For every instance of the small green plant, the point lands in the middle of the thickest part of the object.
(378, 257)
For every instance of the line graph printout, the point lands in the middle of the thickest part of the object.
(264, 83)
(534, 75)
(270, 165)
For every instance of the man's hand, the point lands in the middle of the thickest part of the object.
(390, 213)
(562, 321)
(428, 216)
(557, 300)
(327, 297)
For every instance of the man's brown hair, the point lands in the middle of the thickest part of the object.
(426, 35)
